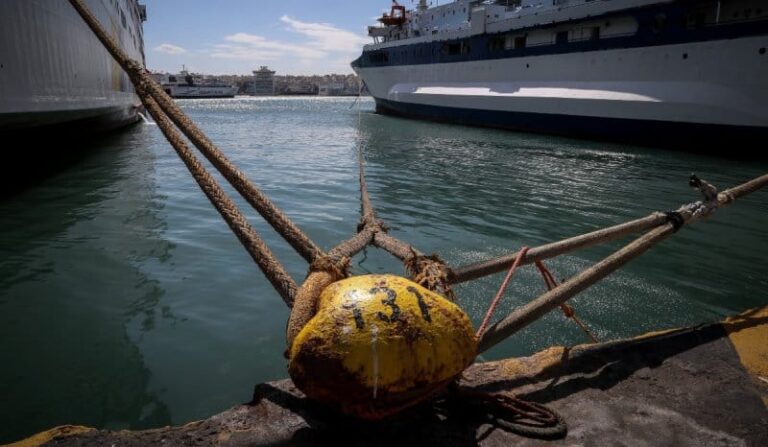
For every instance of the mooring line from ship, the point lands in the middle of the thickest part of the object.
(551, 284)
(568, 310)
(429, 271)
(372, 231)
(249, 238)
(514, 414)
(685, 215)
(268, 210)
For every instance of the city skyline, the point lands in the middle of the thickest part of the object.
(293, 37)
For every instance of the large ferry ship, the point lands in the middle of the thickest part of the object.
(662, 72)
(55, 72)
(189, 86)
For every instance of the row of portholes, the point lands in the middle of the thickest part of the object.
(761, 51)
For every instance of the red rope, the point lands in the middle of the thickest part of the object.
(501, 291)
(569, 311)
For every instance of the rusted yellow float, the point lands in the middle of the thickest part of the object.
(380, 343)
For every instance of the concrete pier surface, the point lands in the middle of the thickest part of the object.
(700, 386)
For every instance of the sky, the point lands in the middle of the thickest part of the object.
(297, 37)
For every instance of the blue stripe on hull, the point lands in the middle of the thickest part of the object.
(719, 139)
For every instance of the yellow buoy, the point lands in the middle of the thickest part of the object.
(379, 343)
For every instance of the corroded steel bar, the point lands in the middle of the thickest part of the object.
(736, 192)
(551, 250)
(537, 308)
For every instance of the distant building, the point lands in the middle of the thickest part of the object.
(263, 82)
(339, 88)
(331, 89)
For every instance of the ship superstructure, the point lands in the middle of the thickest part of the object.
(55, 72)
(655, 71)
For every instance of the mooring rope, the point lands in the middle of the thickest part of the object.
(255, 197)
(568, 311)
(520, 255)
(515, 415)
(253, 243)
(537, 308)
(431, 271)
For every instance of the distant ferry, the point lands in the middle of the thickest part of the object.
(662, 72)
(54, 72)
(186, 85)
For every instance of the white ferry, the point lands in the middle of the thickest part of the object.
(55, 72)
(661, 72)
(186, 85)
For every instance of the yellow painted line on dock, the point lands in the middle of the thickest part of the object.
(749, 334)
(47, 436)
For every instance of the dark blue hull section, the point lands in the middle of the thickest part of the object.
(716, 139)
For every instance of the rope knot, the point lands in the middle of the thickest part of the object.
(676, 219)
(706, 189)
(338, 267)
(429, 272)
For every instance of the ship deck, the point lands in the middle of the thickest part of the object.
(704, 385)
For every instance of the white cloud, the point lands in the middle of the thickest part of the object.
(326, 37)
(170, 49)
(320, 41)
(246, 46)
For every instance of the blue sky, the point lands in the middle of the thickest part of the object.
(237, 36)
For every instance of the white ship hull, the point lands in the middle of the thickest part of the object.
(645, 83)
(712, 91)
(199, 92)
(55, 72)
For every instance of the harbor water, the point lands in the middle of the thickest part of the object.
(126, 302)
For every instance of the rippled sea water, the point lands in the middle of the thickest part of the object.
(125, 302)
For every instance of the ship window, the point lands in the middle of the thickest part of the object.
(378, 56)
(452, 48)
(561, 37)
(459, 47)
(496, 43)
(520, 41)
(593, 33)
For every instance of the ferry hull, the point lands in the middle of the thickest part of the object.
(711, 93)
(679, 135)
(57, 124)
(54, 72)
